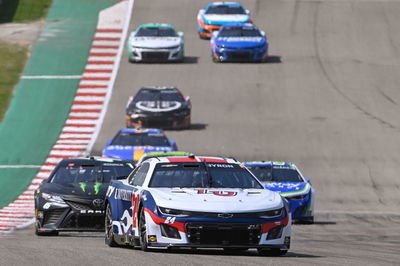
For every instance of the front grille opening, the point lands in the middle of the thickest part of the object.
(155, 55)
(169, 231)
(84, 221)
(300, 210)
(225, 234)
(78, 206)
(275, 233)
(240, 56)
(52, 216)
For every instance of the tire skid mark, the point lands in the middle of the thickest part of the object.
(84, 118)
(332, 82)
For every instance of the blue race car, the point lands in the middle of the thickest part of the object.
(133, 143)
(286, 179)
(239, 43)
(216, 14)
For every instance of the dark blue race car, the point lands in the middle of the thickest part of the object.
(241, 42)
(131, 144)
(286, 179)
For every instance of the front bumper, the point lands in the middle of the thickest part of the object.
(301, 207)
(75, 217)
(206, 30)
(218, 233)
(156, 55)
(240, 55)
(158, 120)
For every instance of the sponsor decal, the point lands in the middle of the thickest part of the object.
(240, 39)
(123, 194)
(96, 187)
(222, 193)
(152, 238)
(158, 106)
(220, 165)
(83, 186)
(91, 211)
(287, 241)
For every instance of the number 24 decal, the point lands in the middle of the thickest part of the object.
(170, 220)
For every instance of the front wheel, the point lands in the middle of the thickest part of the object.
(143, 231)
(108, 224)
(274, 252)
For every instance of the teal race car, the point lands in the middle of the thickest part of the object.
(156, 43)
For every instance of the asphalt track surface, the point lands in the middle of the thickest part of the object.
(328, 100)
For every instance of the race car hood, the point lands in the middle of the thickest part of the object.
(155, 42)
(286, 188)
(216, 200)
(240, 42)
(132, 152)
(73, 190)
(158, 106)
(215, 19)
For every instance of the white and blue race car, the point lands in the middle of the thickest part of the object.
(286, 178)
(196, 202)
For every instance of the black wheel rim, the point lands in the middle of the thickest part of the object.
(143, 228)
(109, 225)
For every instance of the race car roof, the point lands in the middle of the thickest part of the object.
(224, 3)
(269, 163)
(194, 159)
(93, 159)
(156, 25)
(141, 130)
(159, 88)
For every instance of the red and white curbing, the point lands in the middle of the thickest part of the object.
(87, 111)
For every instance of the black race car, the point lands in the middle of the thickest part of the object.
(72, 198)
(163, 107)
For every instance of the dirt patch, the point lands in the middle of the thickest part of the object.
(21, 33)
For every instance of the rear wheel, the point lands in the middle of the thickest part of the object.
(108, 224)
(143, 231)
(273, 252)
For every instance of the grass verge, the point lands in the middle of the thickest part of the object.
(13, 57)
(23, 10)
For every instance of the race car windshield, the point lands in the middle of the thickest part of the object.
(199, 175)
(269, 174)
(226, 10)
(75, 173)
(140, 139)
(156, 95)
(239, 32)
(156, 32)
(116, 172)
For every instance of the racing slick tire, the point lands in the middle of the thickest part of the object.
(274, 252)
(108, 225)
(143, 231)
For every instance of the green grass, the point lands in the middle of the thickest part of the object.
(23, 10)
(13, 58)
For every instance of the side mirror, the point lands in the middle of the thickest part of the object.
(262, 33)
(214, 34)
(308, 180)
(173, 144)
(181, 34)
(108, 142)
(247, 12)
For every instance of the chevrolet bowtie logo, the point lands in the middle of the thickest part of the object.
(225, 215)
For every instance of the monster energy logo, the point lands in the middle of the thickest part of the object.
(96, 187)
